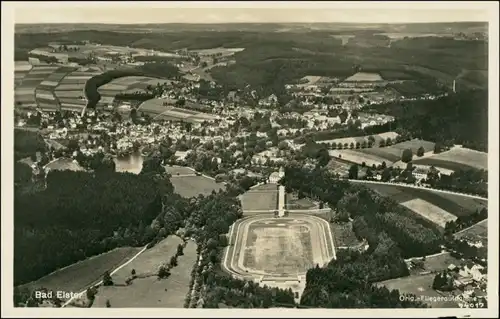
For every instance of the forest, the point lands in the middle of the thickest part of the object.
(82, 214)
(460, 118)
(27, 143)
(348, 281)
(272, 59)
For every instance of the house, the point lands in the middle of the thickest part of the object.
(452, 267)
(271, 100)
(276, 176)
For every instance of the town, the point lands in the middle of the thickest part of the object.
(266, 194)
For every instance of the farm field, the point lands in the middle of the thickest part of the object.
(189, 186)
(70, 90)
(364, 77)
(21, 69)
(147, 290)
(80, 275)
(419, 285)
(223, 51)
(457, 158)
(153, 106)
(454, 204)
(393, 153)
(389, 154)
(429, 211)
(356, 156)
(25, 92)
(360, 139)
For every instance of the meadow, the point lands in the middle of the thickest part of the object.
(147, 290)
(179, 170)
(477, 232)
(81, 275)
(419, 285)
(189, 186)
(457, 158)
(393, 153)
(454, 204)
(435, 263)
(364, 77)
(355, 156)
(429, 211)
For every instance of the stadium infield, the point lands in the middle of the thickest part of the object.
(264, 248)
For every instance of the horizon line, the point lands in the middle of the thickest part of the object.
(233, 22)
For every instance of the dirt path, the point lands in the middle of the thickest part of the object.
(100, 282)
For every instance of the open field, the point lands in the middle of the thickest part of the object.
(454, 204)
(435, 263)
(389, 154)
(364, 77)
(179, 170)
(431, 212)
(356, 156)
(189, 186)
(292, 202)
(278, 249)
(24, 94)
(64, 164)
(414, 145)
(419, 285)
(222, 51)
(478, 232)
(153, 106)
(361, 139)
(393, 153)
(457, 158)
(80, 275)
(147, 290)
(259, 200)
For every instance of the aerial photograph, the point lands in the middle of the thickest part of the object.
(249, 158)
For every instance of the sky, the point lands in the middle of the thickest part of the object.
(248, 12)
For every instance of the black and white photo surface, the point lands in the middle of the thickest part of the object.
(203, 156)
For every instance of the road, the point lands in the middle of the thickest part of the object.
(418, 187)
(281, 201)
(100, 282)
